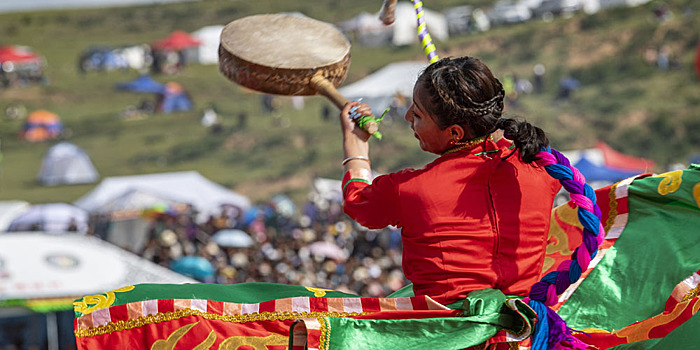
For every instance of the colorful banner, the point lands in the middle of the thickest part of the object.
(640, 292)
(169, 322)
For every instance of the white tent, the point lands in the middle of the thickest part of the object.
(40, 265)
(51, 218)
(66, 163)
(381, 87)
(128, 227)
(406, 26)
(209, 37)
(9, 210)
(189, 187)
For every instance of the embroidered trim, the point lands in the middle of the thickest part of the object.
(613, 207)
(691, 294)
(324, 340)
(468, 144)
(355, 179)
(169, 316)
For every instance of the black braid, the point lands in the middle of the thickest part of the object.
(464, 93)
(528, 139)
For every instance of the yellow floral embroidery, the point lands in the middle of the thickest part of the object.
(207, 343)
(318, 292)
(172, 340)
(231, 343)
(559, 239)
(92, 303)
(671, 182)
(257, 343)
(696, 194)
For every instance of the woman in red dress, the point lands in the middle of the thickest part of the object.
(477, 216)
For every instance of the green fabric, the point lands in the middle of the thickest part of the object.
(405, 291)
(485, 315)
(236, 293)
(658, 248)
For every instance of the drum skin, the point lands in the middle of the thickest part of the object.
(279, 54)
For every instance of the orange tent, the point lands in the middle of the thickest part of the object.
(18, 55)
(41, 125)
(176, 41)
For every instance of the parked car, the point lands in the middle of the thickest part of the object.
(551, 8)
(507, 12)
(459, 19)
(531, 4)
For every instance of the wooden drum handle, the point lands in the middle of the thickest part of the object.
(388, 12)
(326, 88)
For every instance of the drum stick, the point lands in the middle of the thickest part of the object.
(423, 34)
(388, 12)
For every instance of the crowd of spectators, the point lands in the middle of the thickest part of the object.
(369, 263)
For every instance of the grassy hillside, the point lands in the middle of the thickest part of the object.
(634, 107)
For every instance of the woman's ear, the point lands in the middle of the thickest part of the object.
(456, 132)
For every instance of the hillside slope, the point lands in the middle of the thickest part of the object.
(633, 106)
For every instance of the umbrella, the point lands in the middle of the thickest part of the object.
(232, 238)
(283, 205)
(254, 212)
(195, 267)
(328, 250)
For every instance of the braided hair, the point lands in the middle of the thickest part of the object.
(464, 92)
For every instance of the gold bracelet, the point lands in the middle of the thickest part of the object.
(346, 160)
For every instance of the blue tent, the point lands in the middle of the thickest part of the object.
(594, 172)
(695, 159)
(173, 99)
(143, 83)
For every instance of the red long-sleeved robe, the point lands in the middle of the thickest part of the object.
(470, 220)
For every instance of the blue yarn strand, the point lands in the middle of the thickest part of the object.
(540, 337)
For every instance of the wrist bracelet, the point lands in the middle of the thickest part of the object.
(346, 160)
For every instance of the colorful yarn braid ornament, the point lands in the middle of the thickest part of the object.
(423, 34)
(363, 120)
(551, 332)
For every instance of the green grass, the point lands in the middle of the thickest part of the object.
(634, 107)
